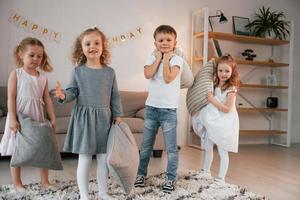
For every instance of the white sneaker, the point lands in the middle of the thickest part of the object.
(204, 174)
(105, 196)
(219, 181)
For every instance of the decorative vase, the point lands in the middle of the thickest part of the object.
(270, 35)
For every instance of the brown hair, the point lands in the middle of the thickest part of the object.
(21, 48)
(78, 57)
(234, 80)
(165, 29)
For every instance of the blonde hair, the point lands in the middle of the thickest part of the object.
(78, 57)
(234, 80)
(21, 48)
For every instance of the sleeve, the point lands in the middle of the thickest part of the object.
(72, 91)
(176, 60)
(115, 102)
(231, 90)
(150, 60)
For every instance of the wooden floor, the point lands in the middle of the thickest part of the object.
(264, 169)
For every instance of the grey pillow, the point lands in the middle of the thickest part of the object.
(122, 156)
(187, 78)
(36, 145)
(196, 97)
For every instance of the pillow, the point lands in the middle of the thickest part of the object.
(187, 78)
(3, 100)
(196, 97)
(36, 145)
(122, 156)
(141, 113)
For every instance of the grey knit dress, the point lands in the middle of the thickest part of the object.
(97, 103)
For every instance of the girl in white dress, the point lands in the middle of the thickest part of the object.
(218, 122)
(27, 94)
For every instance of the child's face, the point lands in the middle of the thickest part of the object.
(32, 56)
(165, 42)
(92, 46)
(224, 72)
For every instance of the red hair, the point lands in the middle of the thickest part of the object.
(234, 80)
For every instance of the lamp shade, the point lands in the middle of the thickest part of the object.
(223, 19)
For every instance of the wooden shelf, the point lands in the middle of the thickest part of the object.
(264, 86)
(261, 132)
(242, 38)
(261, 63)
(248, 109)
(247, 62)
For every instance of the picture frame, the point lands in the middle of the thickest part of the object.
(271, 79)
(239, 24)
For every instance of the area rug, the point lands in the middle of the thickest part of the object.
(189, 185)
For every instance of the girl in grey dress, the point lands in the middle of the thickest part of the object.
(93, 84)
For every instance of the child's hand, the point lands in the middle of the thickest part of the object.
(58, 91)
(14, 125)
(158, 55)
(117, 120)
(168, 56)
(210, 97)
(53, 124)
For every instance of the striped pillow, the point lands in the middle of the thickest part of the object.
(196, 97)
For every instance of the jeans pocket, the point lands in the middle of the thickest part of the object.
(169, 125)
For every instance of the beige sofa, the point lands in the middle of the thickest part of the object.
(133, 104)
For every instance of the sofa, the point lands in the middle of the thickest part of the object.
(133, 104)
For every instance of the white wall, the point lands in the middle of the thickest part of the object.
(116, 17)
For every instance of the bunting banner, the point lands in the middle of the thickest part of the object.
(36, 29)
(56, 36)
(115, 40)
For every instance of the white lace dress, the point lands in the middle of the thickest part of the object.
(29, 101)
(222, 128)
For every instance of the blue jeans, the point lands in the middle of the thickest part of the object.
(165, 118)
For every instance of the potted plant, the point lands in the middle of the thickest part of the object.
(269, 23)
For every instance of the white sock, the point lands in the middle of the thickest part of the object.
(102, 174)
(84, 163)
(224, 162)
(208, 154)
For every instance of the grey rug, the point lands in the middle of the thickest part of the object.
(190, 185)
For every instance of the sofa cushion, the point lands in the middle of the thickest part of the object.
(62, 124)
(132, 102)
(62, 110)
(141, 113)
(2, 124)
(136, 125)
(196, 97)
(3, 100)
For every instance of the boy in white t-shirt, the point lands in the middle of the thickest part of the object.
(163, 71)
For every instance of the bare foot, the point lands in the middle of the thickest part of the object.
(19, 188)
(47, 185)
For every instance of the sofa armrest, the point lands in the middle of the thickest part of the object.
(141, 113)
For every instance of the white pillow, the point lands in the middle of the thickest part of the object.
(196, 97)
(122, 156)
(187, 78)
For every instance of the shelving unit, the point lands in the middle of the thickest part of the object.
(278, 120)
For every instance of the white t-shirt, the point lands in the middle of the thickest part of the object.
(161, 94)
